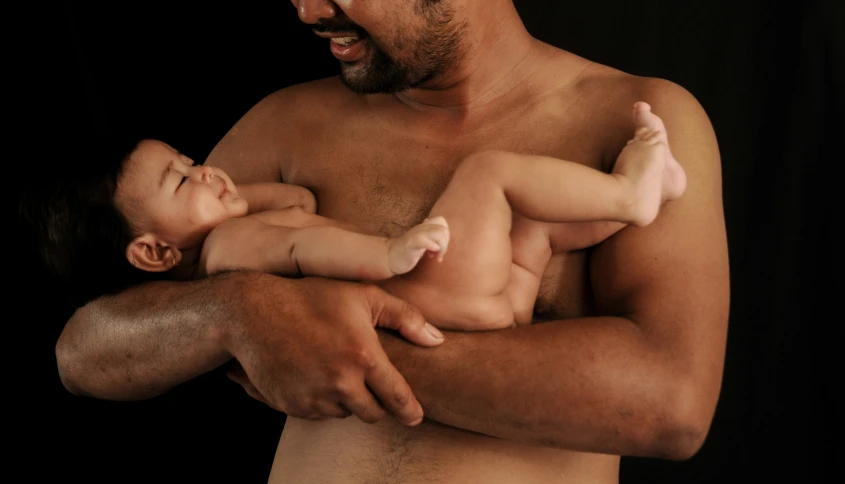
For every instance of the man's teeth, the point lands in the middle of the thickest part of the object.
(344, 40)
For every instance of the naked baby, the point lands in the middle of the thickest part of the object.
(464, 267)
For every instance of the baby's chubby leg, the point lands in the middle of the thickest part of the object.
(464, 288)
(479, 202)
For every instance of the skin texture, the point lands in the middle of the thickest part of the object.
(626, 352)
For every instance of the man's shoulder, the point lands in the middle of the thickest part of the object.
(605, 85)
(601, 99)
(679, 109)
(614, 87)
(607, 96)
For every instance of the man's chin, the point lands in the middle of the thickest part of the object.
(371, 85)
(373, 74)
(357, 77)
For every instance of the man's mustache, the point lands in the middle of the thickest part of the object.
(328, 26)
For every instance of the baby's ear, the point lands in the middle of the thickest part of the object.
(149, 253)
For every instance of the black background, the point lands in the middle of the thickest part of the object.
(771, 77)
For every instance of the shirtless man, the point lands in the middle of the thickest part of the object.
(626, 359)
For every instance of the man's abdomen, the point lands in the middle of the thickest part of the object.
(351, 451)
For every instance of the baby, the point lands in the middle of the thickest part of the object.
(464, 267)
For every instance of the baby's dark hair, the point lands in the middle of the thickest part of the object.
(78, 232)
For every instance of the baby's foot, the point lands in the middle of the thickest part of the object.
(405, 251)
(674, 177)
(648, 166)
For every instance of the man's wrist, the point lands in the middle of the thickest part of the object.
(229, 293)
(240, 293)
(399, 350)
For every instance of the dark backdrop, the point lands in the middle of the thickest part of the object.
(770, 77)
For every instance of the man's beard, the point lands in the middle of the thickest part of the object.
(434, 51)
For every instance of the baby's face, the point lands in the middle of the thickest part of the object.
(173, 199)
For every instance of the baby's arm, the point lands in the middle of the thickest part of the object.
(317, 250)
(262, 197)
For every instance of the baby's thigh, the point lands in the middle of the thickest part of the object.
(467, 289)
(478, 260)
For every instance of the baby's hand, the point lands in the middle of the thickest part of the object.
(406, 250)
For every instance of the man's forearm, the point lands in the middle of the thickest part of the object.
(590, 384)
(147, 339)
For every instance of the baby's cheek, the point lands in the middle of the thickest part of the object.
(206, 218)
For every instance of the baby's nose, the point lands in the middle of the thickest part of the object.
(203, 174)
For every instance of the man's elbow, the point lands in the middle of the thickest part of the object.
(64, 365)
(679, 442)
(684, 424)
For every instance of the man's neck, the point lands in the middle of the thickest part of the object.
(499, 54)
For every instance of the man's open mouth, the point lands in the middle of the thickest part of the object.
(346, 46)
(345, 41)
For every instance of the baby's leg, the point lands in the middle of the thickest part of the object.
(552, 190)
(488, 187)
(478, 205)
(466, 290)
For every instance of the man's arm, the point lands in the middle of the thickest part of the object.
(642, 379)
(150, 338)
(147, 339)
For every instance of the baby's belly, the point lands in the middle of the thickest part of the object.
(350, 451)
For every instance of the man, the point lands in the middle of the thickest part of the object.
(626, 353)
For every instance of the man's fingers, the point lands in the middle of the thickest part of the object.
(394, 393)
(364, 406)
(394, 313)
(332, 409)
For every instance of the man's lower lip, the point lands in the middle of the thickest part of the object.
(349, 53)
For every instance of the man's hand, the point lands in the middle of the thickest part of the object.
(310, 349)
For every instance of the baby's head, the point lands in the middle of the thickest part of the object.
(170, 204)
(128, 206)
